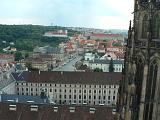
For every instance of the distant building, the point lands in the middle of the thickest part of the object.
(70, 87)
(104, 65)
(89, 56)
(59, 33)
(97, 36)
(6, 58)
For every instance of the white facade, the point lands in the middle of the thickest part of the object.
(89, 56)
(105, 66)
(72, 93)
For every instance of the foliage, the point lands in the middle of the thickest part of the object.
(111, 67)
(30, 68)
(26, 37)
(101, 54)
(26, 55)
(18, 56)
(98, 70)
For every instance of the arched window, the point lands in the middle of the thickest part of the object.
(150, 90)
(138, 83)
(155, 27)
(145, 23)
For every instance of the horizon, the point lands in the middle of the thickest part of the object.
(103, 14)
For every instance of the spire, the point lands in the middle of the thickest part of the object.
(130, 24)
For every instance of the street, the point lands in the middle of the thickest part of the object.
(68, 66)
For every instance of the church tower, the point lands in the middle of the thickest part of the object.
(139, 93)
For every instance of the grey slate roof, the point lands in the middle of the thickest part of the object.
(22, 98)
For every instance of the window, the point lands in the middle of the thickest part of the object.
(89, 91)
(59, 90)
(17, 89)
(55, 90)
(64, 96)
(74, 96)
(94, 91)
(108, 97)
(26, 89)
(113, 97)
(84, 96)
(22, 89)
(145, 26)
(74, 91)
(94, 97)
(150, 90)
(69, 96)
(79, 91)
(99, 97)
(89, 97)
(65, 90)
(50, 90)
(99, 91)
(84, 91)
(104, 91)
(109, 92)
(31, 89)
(104, 97)
(79, 96)
(155, 27)
(60, 96)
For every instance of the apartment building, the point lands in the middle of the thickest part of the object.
(104, 65)
(70, 87)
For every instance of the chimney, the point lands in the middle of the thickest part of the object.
(61, 72)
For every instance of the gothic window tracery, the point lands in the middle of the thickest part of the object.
(145, 23)
(138, 83)
(150, 90)
(155, 27)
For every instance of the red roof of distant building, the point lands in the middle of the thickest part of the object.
(6, 56)
(107, 35)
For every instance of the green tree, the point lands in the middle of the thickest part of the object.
(26, 55)
(111, 68)
(97, 70)
(18, 56)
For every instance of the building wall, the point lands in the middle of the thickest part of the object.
(72, 93)
(9, 89)
(105, 67)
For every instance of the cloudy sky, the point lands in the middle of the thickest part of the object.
(105, 14)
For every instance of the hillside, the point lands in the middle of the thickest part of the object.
(26, 37)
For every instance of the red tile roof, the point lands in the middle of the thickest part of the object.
(46, 112)
(107, 35)
(6, 56)
(70, 77)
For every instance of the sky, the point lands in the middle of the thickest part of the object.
(103, 14)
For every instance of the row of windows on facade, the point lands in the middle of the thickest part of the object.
(94, 102)
(120, 65)
(79, 97)
(56, 85)
(65, 91)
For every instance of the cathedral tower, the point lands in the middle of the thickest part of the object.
(139, 93)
